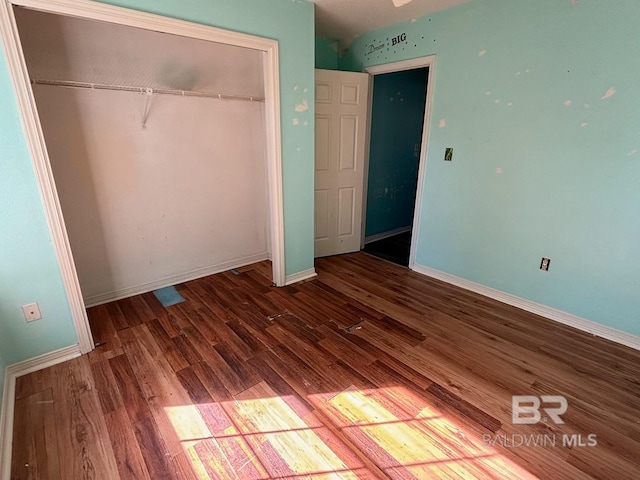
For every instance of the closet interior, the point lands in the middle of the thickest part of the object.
(157, 144)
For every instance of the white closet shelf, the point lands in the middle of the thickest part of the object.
(145, 90)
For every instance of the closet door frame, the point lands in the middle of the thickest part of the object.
(37, 147)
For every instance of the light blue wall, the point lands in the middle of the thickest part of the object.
(28, 267)
(326, 53)
(522, 86)
(394, 153)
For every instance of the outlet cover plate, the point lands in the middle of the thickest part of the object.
(31, 312)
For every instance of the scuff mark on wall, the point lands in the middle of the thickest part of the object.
(488, 92)
(442, 123)
(633, 152)
(509, 104)
(482, 53)
(609, 93)
(302, 107)
(567, 103)
(584, 124)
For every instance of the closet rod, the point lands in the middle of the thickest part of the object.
(160, 91)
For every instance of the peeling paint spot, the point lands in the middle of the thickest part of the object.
(509, 104)
(487, 93)
(400, 3)
(482, 52)
(295, 121)
(609, 93)
(302, 107)
(567, 103)
(633, 152)
(584, 124)
(442, 123)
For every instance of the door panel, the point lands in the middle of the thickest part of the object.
(341, 109)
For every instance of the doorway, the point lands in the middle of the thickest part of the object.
(397, 148)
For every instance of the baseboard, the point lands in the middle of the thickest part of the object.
(9, 393)
(387, 234)
(559, 316)
(94, 300)
(300, 276)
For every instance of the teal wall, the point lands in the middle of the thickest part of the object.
(326, 53)
(396, 135)
(28, 267)
(546, 163)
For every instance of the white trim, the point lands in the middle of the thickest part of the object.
(387, 234)
(9, 394)
(410, 64)
(365, 166)
(559, 316)
(37, 146)
(99, 299)
(430, 62)
(274, 161)
(35, 140)
(300, 276)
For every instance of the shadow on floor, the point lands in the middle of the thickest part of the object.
(394, 249)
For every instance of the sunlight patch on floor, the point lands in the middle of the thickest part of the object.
(397, 430)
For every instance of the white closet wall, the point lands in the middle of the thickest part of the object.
(147, 207)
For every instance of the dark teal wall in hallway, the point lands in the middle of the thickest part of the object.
(396, 134)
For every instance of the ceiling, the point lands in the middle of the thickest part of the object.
(343, 20)
(64, 48)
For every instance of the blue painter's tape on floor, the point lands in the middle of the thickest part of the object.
(168, 296)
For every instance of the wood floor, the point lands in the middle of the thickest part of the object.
(367, 371)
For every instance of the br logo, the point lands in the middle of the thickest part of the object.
(525, 409)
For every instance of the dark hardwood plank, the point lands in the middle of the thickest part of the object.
(367, 371)
(37, 457)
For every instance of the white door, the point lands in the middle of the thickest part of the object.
(341, 118)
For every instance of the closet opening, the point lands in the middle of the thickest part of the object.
(156, 146)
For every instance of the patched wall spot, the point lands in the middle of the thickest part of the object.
(609, 93)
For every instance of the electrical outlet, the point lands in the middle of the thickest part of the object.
(31, 312)
(544, 264)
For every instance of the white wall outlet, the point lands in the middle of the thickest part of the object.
(31, 312)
